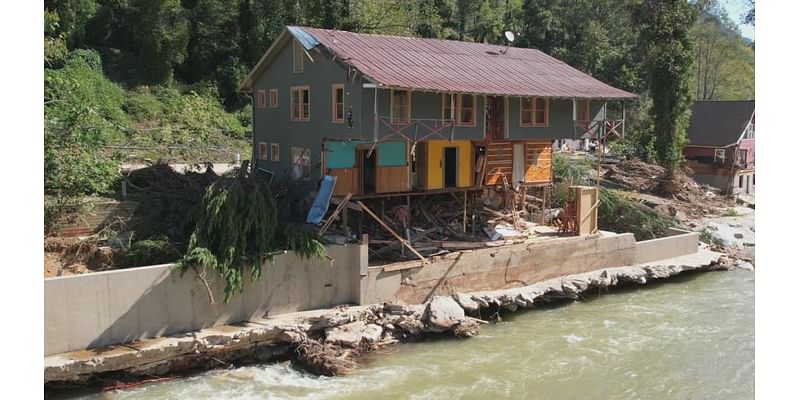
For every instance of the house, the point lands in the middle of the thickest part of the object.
(722, 145)
(391, 115)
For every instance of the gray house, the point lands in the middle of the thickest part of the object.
(390, 115)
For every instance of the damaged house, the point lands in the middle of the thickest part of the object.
(722, 145)
(395, 118)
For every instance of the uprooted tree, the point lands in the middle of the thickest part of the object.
(236, 231)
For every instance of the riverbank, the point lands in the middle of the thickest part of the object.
(331, 341)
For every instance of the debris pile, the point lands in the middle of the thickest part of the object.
(404, 228)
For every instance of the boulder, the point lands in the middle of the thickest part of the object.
(466, 302)
(352, 334)
(442, 314)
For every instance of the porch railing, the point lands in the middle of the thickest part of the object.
(599, 129)
(414, 130)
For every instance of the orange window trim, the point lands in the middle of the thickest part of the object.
(262, 151)
(459, 109)
(297, 104)
(334, 103)
(546, 110)
(261, 100)
(523, 110)
(406, 117)
(273, 98)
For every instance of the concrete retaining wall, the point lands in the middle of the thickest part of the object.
(98, 309)
(500, 268)
(678, 243)
(104, 308)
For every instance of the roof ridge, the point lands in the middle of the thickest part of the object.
(417, 38)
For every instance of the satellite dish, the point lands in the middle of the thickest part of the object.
(509, 36)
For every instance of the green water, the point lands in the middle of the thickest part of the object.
(692, 337)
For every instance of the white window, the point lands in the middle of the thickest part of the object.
(274, 152)
(297, 55)
(301, 163)
(719, 155)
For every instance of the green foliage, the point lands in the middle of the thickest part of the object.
(304, 242)
(155, 250)
(576, 171)
(618, 213)
(664, 36)
(234, 230)
(82, 113)
(55, 47)
(708, 238)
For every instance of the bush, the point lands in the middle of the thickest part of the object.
(155, 250)
(82, 113)
(143, 107)
(618, 213)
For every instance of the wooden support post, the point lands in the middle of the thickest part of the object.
(464, 227)
(544, 202)
(335, 213)
(391, 231)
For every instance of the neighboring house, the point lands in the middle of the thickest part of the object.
(388, 115)
(722, 145)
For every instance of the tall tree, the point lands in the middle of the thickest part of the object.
(666, 41)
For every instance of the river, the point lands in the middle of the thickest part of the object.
(690, 337)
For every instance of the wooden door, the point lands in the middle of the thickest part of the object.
(495, 118)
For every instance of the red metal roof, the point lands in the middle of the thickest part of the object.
(461, 67)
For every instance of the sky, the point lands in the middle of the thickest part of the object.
(735, 10)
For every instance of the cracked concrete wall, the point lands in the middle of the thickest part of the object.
(501, 268)
(104, 308)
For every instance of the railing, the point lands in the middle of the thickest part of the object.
(415, 130)
(599, 129)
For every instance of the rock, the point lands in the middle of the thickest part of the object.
(442, 313)
(394, 308)
(466, 302)
(681, 216)
(411, 326)
(746, 266)
(748, 244)
(738, 235)
(352, 334)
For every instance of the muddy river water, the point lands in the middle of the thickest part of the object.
(690, 337)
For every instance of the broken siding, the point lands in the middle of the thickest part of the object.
(538, 161)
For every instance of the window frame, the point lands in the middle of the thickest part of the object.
(298, 54)
(263, 155)
(302, 117)
(719, 153)
(261, 99)
(533, 110)
(407, 117)
(273, 98)
(460, 108)
(334, 88)
(274, 152)
(304, 175)
(448, 117)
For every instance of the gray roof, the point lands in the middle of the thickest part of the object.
(719, 123)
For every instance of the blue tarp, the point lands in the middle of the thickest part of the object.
(308, 41)
(321, 202)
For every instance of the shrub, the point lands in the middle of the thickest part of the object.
(155, 250)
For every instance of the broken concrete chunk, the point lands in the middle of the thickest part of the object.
(442, 313)
(466, 302)
(352, 334)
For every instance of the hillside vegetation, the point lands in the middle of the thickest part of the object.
(157, 79)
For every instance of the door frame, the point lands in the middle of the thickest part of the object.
(361, 169)
(444, 162)
(487, 100)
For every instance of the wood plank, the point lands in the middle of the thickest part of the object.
(335, 213)
(392, 179)
(391, 231)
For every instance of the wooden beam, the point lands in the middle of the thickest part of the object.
(335, 213)
(339, 200)
(391, 231)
